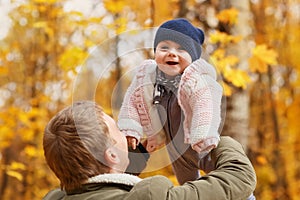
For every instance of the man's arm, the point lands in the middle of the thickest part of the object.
(56, 194)
(233, 178)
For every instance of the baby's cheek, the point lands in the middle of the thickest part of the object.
(184, 66)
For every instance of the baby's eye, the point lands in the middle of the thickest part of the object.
(164, 47)
(181, 49)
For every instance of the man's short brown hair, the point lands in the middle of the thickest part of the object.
(74, 144)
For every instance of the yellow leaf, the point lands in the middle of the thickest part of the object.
(232, 60)
(95, 19)
(115, 6)
(6, 133)
(262, 160)
(34, 112)
(17, 166)
(23, 117)
(223, 38)
(229, 16)
(76, 13)
(227, 89)
(268, 56)
(71, 58)
(28, 135)
(255, 64)
(241, 79)
(261, 58)
(236, 38)
(219, 54)
(15, 174)
(120, 24)
(6, 136)
(31, 151)
(217, 37)
(41, 24)
(222, 63)
(45, 1)
(237, 77)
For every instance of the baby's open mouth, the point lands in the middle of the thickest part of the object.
(172, 63)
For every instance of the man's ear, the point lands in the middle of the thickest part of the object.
(111, 156)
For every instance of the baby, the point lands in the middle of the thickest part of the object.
(175, 100)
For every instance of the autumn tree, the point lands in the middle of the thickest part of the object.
(55, 53)
(39, 59)
(275, 100)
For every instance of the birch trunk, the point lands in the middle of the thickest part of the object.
(237, 112)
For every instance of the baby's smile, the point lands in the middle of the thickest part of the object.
(172, 63)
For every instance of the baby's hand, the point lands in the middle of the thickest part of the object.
(197, 148)
(132, 142)
(205, 145)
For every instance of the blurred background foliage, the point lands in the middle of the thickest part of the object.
(53, 52)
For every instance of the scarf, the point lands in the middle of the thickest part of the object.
(163, 84)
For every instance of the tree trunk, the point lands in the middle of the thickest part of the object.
(4, 176)
(182, 8)
(237, 116)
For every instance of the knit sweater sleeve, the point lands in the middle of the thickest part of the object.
(200, 99)
(134, 117)
(128, 119)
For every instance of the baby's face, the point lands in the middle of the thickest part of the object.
(171, 58)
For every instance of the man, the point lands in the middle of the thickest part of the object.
(88, 154)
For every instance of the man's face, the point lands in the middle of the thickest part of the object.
(171, 58)
(121, 144)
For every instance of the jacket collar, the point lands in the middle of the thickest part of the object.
(125, 179)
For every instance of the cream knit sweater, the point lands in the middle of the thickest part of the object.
(199, 96)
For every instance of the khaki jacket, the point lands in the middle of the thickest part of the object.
(233, 178)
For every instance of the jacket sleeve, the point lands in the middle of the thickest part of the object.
(200, 98)
(56, 194)
(234, 178)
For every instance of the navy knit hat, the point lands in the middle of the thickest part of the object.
(182, 32)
